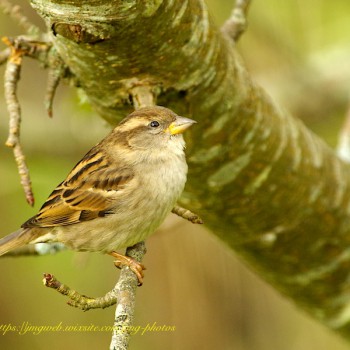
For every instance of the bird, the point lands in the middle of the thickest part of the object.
(118, 193)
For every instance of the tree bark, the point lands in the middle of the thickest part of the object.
(262, 182)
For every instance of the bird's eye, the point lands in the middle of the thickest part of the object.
(154, 124)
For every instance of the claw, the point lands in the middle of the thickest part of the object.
(134, 265)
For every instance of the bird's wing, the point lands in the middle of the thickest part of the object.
(91, 190)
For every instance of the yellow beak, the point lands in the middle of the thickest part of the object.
(179, 125)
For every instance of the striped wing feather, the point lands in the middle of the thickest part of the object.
(90, 191)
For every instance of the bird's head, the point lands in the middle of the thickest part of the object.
(154, 128)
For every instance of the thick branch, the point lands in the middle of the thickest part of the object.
(258, 177)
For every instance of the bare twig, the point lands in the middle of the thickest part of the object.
(52, 83)
(343, 147)
(18, 48)
(187, 214)
(125, 286)
(56, 72)
(12, 76)
(236, 25)
(77, 300)
(23, 172)
(38, 50)
(126, 296)
(15, 13)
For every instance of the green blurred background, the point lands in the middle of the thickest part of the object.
(298, 50)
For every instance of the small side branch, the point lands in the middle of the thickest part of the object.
(18, 48)
(236, 25)
(56, 72)
(76, 299)
(123, 293)
(12, 76)
(187, 214)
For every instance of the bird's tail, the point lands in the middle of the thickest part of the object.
(15, 240)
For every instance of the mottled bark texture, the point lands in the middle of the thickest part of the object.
(260, 180)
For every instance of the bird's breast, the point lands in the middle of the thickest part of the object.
(137, 214)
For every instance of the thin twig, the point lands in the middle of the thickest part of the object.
(76, 299)
(12, 76)
(126, 296)
(126, 280)
(23, 172)
(15, 13)
(56, 72)
(236, 25)
(187, 214)
(53, 81)
(39, 50)
(19, 47)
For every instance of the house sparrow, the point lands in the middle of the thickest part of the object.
(119, 193)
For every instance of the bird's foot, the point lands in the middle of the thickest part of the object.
(134, 265)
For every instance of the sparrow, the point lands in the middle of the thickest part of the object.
(119, 192)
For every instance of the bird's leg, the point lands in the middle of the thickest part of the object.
(135, 266)
(187, 214)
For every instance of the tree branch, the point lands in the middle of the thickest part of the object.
(18, 48)
(124, 294)
(187, 215)
(236, 25)
(57, 71)
(257, 176)
(76, 299)
(12, 76)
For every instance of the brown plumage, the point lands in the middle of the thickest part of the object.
(87, 193)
